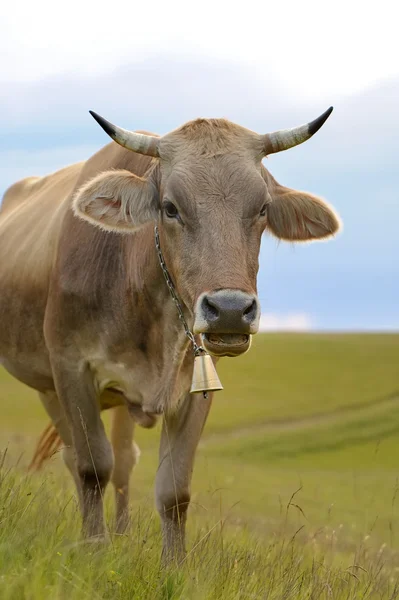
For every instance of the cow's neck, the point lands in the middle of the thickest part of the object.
(167, 346)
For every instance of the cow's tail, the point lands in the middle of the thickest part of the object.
(47, 445)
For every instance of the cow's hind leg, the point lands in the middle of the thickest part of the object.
(181, 433)
(94, 458)
(55, 412)
(126, 454)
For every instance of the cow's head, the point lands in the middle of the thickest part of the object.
(213, 199)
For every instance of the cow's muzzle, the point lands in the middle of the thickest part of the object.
(226, 319)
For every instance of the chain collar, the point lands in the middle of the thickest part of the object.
(197, 349)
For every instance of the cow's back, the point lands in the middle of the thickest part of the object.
(30, 221)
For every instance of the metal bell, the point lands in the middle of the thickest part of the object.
(205, 377)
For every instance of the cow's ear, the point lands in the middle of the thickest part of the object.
(298, 216)
(117, 201)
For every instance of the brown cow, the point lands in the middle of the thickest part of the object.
(87, 318)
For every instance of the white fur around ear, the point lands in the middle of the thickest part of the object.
(116, 201)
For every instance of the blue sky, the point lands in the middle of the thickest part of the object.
(351, 282)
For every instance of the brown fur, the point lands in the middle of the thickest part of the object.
(120, 192)
(209, 138)
(299, 216)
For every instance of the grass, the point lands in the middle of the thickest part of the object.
(287, 375)
(40, 556)
(295, 488)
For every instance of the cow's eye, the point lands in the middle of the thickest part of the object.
(263, 210)
(170, 210)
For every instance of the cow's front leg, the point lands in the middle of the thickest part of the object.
(126, 454)
(181, 433)
(94, 458)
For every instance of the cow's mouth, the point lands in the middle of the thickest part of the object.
(226, 344)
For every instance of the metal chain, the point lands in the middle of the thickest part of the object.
(197, 349)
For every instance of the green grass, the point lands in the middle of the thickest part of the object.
(296, 481)
(287, 375)
(41, 557)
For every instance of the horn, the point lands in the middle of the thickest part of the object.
(288, 138)
(137, 142)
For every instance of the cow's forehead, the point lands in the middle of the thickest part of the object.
(208, 138)
(207, 180)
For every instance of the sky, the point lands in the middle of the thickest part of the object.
(266, 66)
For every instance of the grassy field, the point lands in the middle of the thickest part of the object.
(295, 489)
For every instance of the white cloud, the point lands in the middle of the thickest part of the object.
(286, 322)
(312, 48)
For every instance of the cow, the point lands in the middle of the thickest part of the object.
(88, 320)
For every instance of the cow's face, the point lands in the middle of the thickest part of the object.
(213, 213)
(212, 199)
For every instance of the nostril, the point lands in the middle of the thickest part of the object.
(211, 312)
(249, 313)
